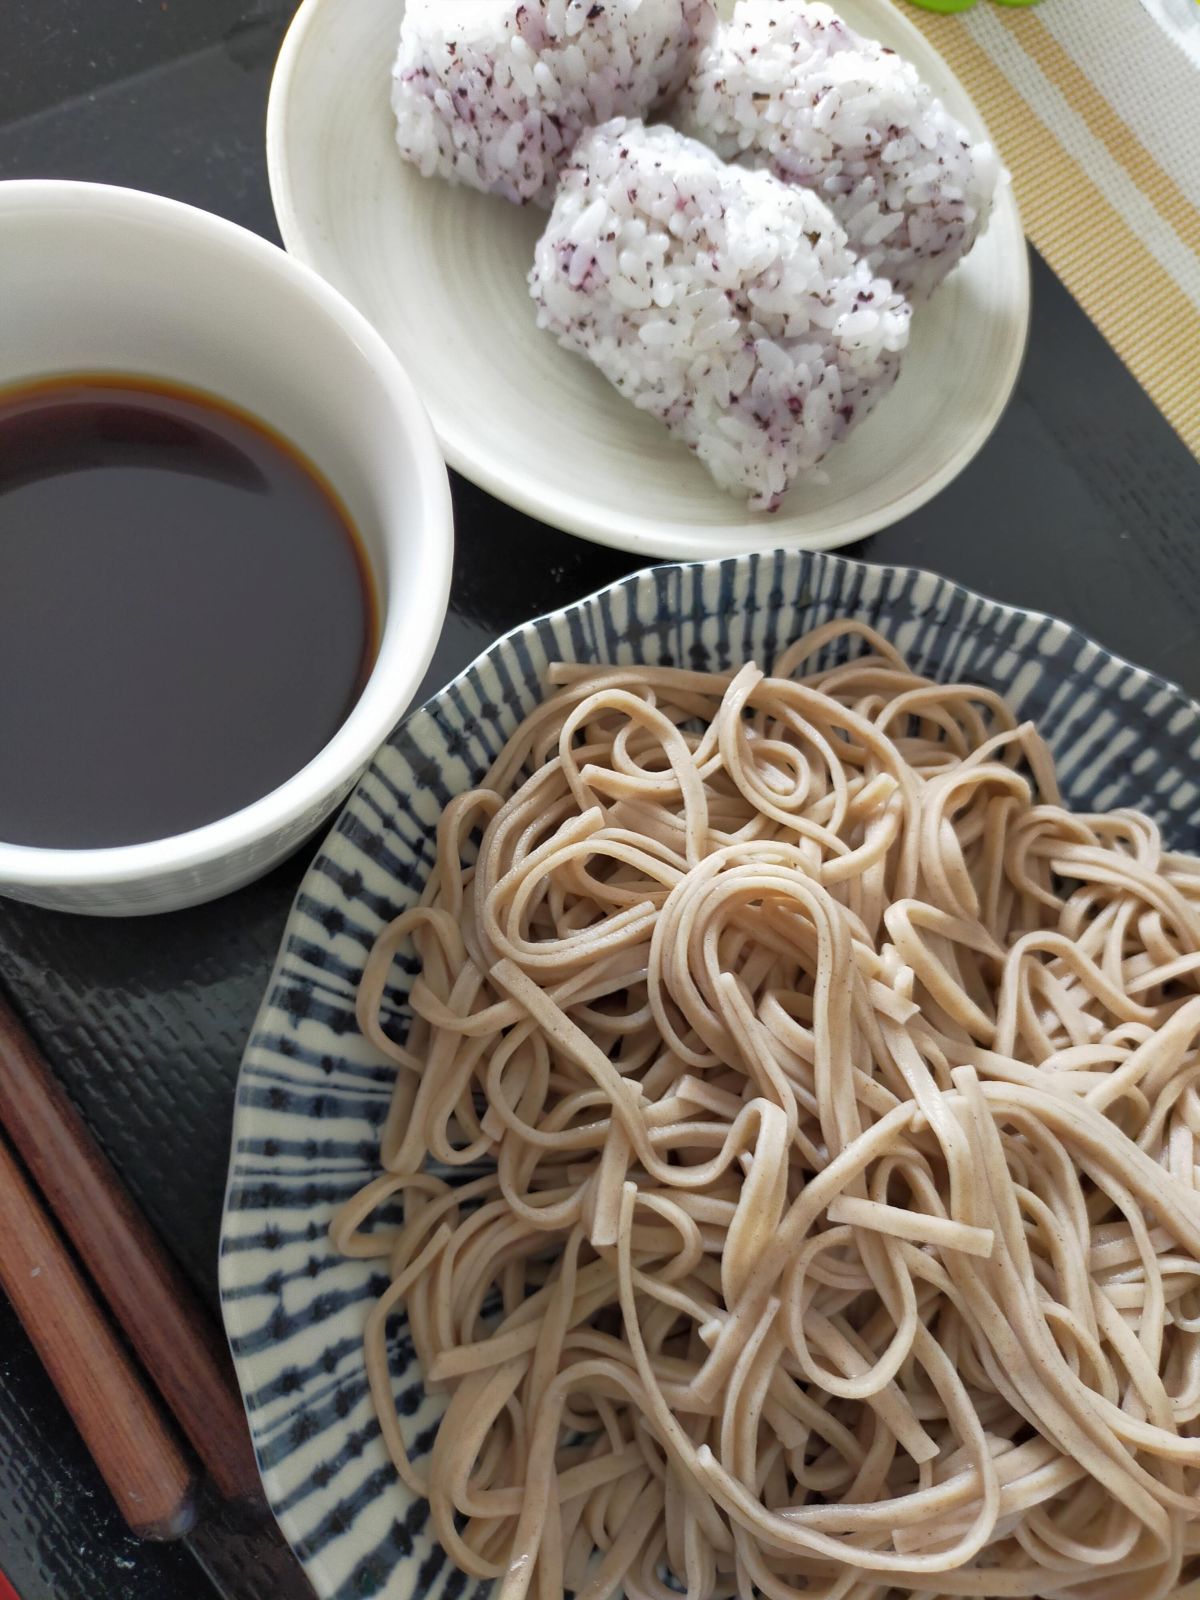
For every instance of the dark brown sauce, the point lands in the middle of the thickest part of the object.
(186, 617)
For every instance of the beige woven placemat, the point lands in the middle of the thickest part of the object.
(1095, 105)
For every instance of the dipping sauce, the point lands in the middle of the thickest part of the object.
(186, 617)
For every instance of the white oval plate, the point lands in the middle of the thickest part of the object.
(441, 272)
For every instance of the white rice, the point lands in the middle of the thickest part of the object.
(494, 93)
(717, 299)
(793, 88)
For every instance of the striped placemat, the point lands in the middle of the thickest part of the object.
(1095, 105)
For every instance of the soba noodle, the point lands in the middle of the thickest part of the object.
(795, 1135)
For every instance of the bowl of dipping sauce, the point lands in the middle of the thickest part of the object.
(225, 550)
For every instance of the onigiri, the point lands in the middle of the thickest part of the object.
(718, 299)
(791, 87)
(494, 93)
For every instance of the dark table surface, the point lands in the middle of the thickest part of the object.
(1084, 503)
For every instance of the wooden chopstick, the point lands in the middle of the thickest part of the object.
(120, 1424)
(162, 1318)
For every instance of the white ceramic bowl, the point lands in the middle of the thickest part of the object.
(441, 273)
(98, 279)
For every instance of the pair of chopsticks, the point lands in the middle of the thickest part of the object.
(75, 1192)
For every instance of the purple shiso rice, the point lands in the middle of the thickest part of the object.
(494, 93)
(718, 299)
(792, 88)
(745, 275)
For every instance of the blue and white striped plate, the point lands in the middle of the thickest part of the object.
(313, 1094)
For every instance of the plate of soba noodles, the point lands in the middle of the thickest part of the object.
(724, 1118)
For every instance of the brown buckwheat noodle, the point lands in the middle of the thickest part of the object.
(796, 1141)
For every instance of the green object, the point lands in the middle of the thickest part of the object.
(948, 7)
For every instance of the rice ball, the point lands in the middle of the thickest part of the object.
(494, 93)
(717, 299)
(791, 87)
